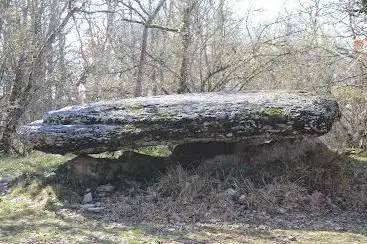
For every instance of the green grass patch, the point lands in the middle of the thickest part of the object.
(319, 236)
(26, 220)
(358, 154)
(36, 162)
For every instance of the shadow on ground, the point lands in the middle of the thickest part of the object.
(279, 193)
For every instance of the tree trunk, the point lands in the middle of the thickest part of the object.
(28, 68)
(143, 54)
(186, 41)
(16, 106)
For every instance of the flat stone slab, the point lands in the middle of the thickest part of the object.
(179, 119)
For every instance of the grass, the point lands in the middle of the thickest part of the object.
(358, 154)
(35, 214)
(37, 162)
(25, 220)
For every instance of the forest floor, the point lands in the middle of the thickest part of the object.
(31, 213)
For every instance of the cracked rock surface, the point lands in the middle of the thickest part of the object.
(181, 119)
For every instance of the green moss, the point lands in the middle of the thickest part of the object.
(358, 154)
(158, 151)
(272, 112)
(163, 113)
(130, 128)
(134, 107)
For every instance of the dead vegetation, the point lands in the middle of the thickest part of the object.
(279, 178)
(281, 185)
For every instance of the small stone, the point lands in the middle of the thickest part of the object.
(5, 179)
(95, 209)
(338, 228)
(87, 205)
(2, 187)
(105, 188)
(242, 199)
(88, 198)
(230, 192)
(246, 226)
(152, 196)
(282, 210)
(317, 199)
(292, 238)
(50, 175)
(74, 206)
(263, 227)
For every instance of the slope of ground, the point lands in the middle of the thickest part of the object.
(213, 203)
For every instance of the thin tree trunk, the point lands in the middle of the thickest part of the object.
(143, 52)
(186, 41)
(23, 83)
(143, 55)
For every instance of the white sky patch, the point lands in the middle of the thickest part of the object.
(265, 10)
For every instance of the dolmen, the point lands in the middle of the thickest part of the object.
(184, 119)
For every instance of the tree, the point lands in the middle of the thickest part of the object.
(26, 54)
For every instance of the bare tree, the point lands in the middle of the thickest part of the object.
(28, 61)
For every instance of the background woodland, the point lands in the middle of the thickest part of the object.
(57, 53)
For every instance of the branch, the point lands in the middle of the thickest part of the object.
(50, 39)
(154, 26)
(144, 23)
(141, 7)
(133, 9)
(155, 12)
(218, 70)
(96, 11)
(162, 63)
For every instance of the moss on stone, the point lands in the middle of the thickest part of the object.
(272, 112)
(130, 128)
(134, 107)
(163, 113)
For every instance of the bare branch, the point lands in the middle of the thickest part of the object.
(141, 7)
(154, 26)
(133, 9)
(144, 23)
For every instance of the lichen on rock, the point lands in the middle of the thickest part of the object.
(180, 119)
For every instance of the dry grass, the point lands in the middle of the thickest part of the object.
(281, 178)
(291, 192)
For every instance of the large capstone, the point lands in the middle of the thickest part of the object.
(181, 119)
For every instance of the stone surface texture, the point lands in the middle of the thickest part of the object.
(179, 119)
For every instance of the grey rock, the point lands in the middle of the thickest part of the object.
(88, 205)
(95, 209)
(88, 198)
(3, 188)
(6, 179)
(105, 188)
(242, 199)
(231, 192)
(178, 119)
